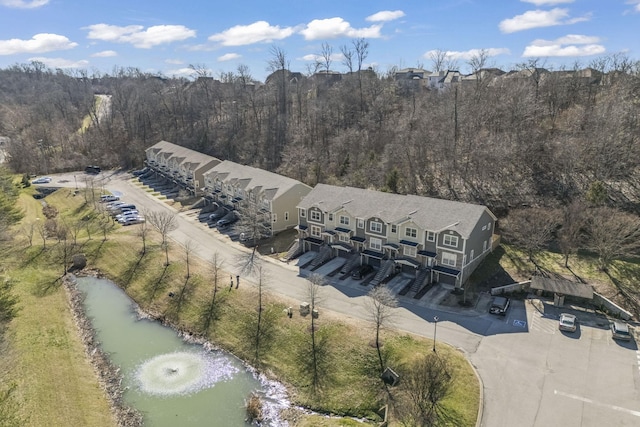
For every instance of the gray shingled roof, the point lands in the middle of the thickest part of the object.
(252, 178)
(428, 213)
(182, 153)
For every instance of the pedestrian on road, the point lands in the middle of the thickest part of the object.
(231, 285)
(237, 281)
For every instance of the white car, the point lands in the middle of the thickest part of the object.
(127, 214)
(107, 198)
(42, 180)
(131, 220)
(568, 322)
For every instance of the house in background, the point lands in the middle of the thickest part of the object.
(440, 240)
(256, 191)
(183, 166)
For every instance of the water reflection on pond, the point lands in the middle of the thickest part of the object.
(173, 383)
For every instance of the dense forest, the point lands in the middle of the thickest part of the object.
(529, 137)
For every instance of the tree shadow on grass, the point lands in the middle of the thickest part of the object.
(451, 417)
(158, 282)
(131, 268)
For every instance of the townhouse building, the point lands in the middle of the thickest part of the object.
(442, 240)
(183, 166)
(254, 191)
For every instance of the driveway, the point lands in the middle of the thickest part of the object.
(532, 373)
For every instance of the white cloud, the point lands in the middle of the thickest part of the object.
(182, 72)
(174, 61)
(468, 54)
(569, 45)
(539, 18)
(334, 57)
(105, 54)
(138, 36)
(337, 27)
(61, 62)
(636, 5)
(258, 32)
(23, 4)
(229, 57)
(547, 2)
(39, 43)
(385, 15)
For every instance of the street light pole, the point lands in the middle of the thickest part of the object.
(435, 328)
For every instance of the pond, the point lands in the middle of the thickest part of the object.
(170, 381)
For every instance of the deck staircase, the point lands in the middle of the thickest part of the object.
(351, 263)
(294, 251)
(420, 281)
(324, 255)
(385, 269)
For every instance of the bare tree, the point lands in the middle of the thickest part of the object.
(143, 233)
(381, 303)
(259, 329)
(42, 232)
(211, 311)
(347, 57)
(189, 248)
(314, 356)
(29, 231)
(326, 54)
(612, 234)
(571, 234)
(425, 384)
(530, 229)
(253, 225)
(164, 222)
(438, 58)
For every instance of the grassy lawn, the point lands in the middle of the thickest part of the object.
(59, 386)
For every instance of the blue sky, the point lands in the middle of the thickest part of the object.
(166, 37)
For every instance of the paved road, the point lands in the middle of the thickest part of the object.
(532, 374)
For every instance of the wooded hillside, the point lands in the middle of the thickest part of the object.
(526, 138)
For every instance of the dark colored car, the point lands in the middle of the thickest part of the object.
(226, 221)
(362, 271)
(92, 169)
(499, 305)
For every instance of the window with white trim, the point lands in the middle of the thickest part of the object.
(303, 213)
(344, 220)
(344, 237)
(489, 226)
(449, 259)
(375, 227)
(375, 244)
(394, 229)
(361, 223)
(286, 216)
(315, 231)
(431, 236)
(410, 251)
(330, 217)
(315, 216)
(411, 232)
(449, 240)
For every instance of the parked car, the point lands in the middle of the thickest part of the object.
(229, 219)
(620, 331)
(106, 198)
(92, 169)
(362, 271)
(42, 180)
(125, 214)
(499, 305)
(139, 172)
(218, 214)
(568, 322)
(132, 220)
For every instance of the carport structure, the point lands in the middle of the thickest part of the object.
(561, 288)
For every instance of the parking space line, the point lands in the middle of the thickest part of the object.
(593, 402)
